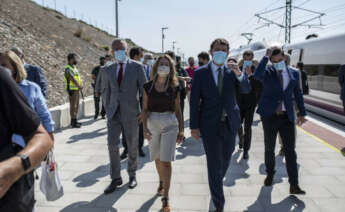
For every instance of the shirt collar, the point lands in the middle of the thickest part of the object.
(24, 82)
(215, 67)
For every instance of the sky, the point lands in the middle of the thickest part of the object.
(194, 24)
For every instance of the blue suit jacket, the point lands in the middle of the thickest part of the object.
(206, 105)
(35, 75)
(273, 93)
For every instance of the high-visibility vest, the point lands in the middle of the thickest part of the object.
(69, 85)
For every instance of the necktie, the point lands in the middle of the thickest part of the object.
(220, 80)
(120, 75)
(280, 74)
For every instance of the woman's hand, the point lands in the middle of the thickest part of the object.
(180, 137)
(147, 134)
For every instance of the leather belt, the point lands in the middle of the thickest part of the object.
(281, 113)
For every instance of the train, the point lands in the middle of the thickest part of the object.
(322, 58)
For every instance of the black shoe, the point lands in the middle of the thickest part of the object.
(74, 124)
(95, 117)
(113, 186)
(219, 210)
(269, 180)
(296, 190)
(245, 155)
(123, 155)
(103, 117)
(142, 153)
(132, 182)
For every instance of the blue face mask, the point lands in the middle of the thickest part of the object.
(219, 57)
(142, 60)
(279, 66)
(150, 62)
(120, 55)
(247, 63)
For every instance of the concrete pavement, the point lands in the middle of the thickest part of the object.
(84, 169)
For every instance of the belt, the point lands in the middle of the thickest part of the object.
(280, 113)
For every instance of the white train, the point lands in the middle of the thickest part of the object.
(322, 58)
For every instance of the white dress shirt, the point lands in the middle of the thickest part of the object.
(286, 81)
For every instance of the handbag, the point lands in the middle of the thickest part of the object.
(50, 183)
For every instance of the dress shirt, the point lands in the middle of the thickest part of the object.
(286, 81)
(35, 98)
(215, 68)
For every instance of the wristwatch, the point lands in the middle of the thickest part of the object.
(25, 161)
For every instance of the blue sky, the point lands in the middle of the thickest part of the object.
(195, 23)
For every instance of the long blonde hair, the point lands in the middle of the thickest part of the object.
(172, 78)
(15, 61)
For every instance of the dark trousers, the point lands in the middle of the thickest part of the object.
(344, 104)
(182, 99)
(97, 100)
(141, 139)
(218, 154)
(247, 116)
(272, 125)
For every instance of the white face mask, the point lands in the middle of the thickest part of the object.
(163, 71)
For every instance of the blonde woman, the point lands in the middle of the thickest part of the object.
(31, 91)
(162, 120)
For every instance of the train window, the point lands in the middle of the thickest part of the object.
(331, 70)
(311, 70)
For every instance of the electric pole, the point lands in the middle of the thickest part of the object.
(163, 37)
(288, 26)
(117, 17)
(174, 42)
(249, 36)
(55, 4)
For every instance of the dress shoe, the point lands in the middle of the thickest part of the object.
(142, 153)
(95, 117)
(219, 210)
(296, 190)
(123, 155)
(103, 117)
(245, 155)
(113, 185)
(269, 180)
(132, 182)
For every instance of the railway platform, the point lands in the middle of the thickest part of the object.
(84, 168)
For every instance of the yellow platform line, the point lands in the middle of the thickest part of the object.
(321, 141)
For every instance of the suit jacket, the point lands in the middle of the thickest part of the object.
(125, 96)
(273, 93)
(207, 105)
(341, 74)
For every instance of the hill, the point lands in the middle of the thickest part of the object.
(46, 37)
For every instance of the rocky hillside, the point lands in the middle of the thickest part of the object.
(46, 37)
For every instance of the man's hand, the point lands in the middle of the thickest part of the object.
(196, 134)
(140, 117)
(269, 52)
(147, 134)
(301, 120)
(235, 68)
(248, 71)
(10, 172)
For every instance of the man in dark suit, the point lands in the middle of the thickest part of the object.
(214, 113)
(341, 74)
(281, 84)
(247, 102)
(304, 78)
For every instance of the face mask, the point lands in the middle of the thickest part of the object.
(75, 62)
(163, 71)
(279, 66)
(150, 62)
(247, 63)
(142, 60)
(120, 55)
(219, 57)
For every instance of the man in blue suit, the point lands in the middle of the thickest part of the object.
(281, 85)
(215, 114)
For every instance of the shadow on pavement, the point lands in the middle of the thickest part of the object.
(264, 202)
(90, 178)
(237, 170)
(190, 147)
(148, 204)
(103, 203)
(87, 135)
